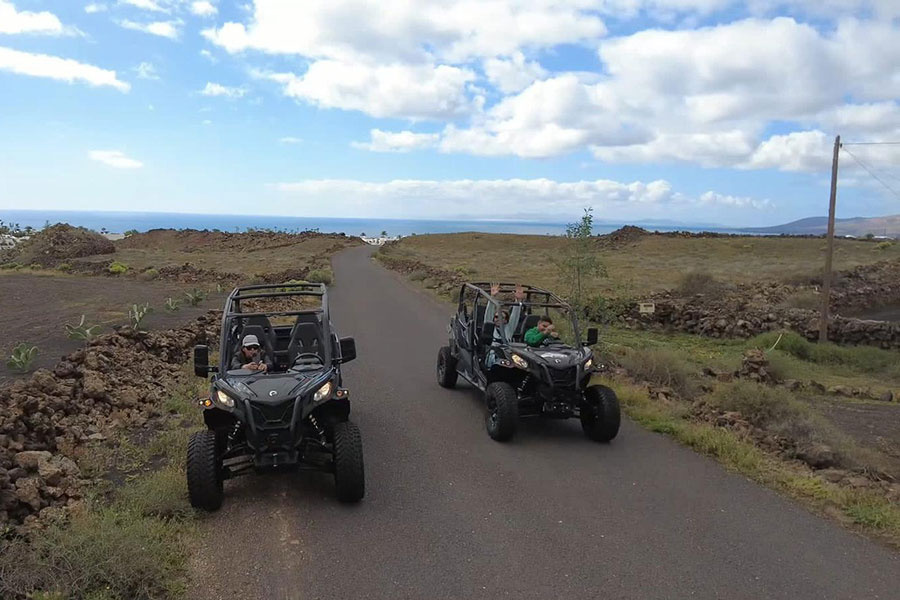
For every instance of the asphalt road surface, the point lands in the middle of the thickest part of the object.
(449, 513)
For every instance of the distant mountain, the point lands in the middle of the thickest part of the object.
(857, 226)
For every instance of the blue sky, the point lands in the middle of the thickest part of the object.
(692, 110)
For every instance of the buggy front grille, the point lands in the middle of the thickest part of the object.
(273, 413)
(565, 376)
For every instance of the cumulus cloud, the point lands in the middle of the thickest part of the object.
(402, 31)
(203, 9)
(499, 198)
(166, 29)
(94, 8)
(13, 21)
(217, 89)
(115, 159)
(290, 140)
(397, 141)
(394, 90)
(514, 73)
(61, 69)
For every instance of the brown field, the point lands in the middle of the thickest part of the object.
(649, 264)
(247, 254)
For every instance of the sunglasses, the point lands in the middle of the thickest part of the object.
(254, 347)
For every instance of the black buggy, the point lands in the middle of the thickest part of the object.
(550, 381)
(296, 415)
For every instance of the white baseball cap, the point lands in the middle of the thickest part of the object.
(250, 340)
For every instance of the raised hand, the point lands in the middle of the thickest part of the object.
(495, 289)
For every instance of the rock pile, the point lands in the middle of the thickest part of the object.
(755, 367)
(59, 243)
(117, 380)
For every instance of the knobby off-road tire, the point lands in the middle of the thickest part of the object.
(204, 471)
(600, 414)
(349, 474)
(446, 368)
(502, 415)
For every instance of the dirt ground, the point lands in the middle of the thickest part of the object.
(36, 308)
(876, 425)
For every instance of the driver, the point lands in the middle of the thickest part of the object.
(251, 357)
(544, 330)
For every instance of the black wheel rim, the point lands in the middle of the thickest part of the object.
(441, 368)
(493, 416)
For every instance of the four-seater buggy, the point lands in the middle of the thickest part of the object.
(550, 380)
(296, 414)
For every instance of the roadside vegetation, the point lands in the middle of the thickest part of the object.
(129, 539)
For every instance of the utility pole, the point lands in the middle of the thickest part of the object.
(829, 252)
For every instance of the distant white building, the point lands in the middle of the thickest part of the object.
(9, 241)
(379, 241)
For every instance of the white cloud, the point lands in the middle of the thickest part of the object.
(550, 117)
(394, 90)
(216, 89)
(501, 198)
(400, 141)
(94, 8)
(146, 70)
(151, 5)
(203, 9)
(115, 159)
(166, 29)
(514, 73)
(402, 31)
(290, 140)
(14, 22)
(62, 69)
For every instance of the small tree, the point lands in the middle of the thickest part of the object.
(578, 262)
(383, 233)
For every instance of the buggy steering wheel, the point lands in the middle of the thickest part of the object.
(308, 355)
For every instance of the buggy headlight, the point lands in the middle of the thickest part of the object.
(519, 361)
(322, 393)
(589, 363)
(224, 399)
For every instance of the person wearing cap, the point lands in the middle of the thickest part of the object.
(251, 357)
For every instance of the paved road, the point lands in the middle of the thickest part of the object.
(451, 514)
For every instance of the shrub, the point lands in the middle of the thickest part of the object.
(695, 282)
(807, 299)
(11, 265)
(605, 309)
(883, 245)
(149, 274)
(172, 305)
(320, 276)
(660, 366)
(131, 232)
(102, 554)
(117, 268)
(64, 267)
(35, 266)
(137, 313)
(21, 358)
(160, 494)
(419, 275)
(195, 296)
(81, 331)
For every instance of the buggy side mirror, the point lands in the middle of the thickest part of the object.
(348, 349)
(487, 333)
(592, 336)
(201, 361)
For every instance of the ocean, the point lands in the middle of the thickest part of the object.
(120, 222)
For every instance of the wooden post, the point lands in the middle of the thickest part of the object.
(829, 252)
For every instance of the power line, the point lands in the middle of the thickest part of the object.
(870, 143)
(870, 172)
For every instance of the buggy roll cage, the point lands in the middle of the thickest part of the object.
(272, 290)
(546, 299)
